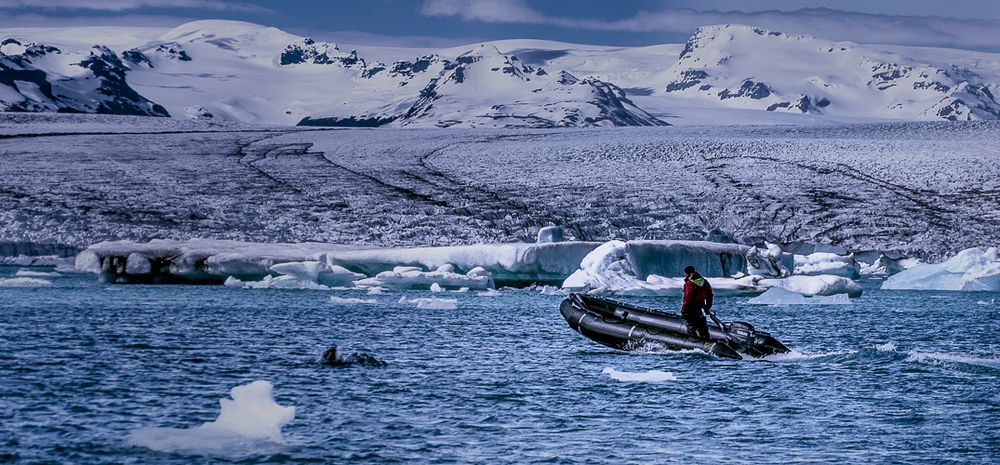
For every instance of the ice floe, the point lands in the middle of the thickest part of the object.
(878, 263)
(431, 303)
(516, 264)
(444, 277)
(780, 296)
(974, 269)
(350, 301)
(24, 282)
(651, 376)
(826, 263)
(250, 420)
(23, 273)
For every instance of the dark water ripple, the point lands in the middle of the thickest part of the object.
(499, 380)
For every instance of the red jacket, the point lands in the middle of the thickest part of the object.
(697, 294)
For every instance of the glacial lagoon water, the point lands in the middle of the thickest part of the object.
(895, 377)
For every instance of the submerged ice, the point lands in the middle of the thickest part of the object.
(248, 421)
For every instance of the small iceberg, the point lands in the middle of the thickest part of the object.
(780, 296)
(444, 277)
(651, 376)
(249, 422)
(24, 282)
(431, 303)
(350, 301)
(25, 273)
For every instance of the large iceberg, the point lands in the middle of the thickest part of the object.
(613, 268)
(975, 269)
(194, 261)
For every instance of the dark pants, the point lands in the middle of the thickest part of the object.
(697, 324)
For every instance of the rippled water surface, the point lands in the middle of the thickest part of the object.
(899, 377)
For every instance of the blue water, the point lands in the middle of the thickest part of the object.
(497, 380)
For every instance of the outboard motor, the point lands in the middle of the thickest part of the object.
(753, 342)
(743, 333)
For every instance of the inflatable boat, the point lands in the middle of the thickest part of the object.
(628, 327)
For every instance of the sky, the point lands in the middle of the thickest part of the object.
(970, 24)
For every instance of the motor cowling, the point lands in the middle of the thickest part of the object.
(743, 332)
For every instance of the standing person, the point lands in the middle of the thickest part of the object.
(697, 298)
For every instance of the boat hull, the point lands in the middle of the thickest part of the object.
(628, 327)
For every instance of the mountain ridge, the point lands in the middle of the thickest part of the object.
(725, 74)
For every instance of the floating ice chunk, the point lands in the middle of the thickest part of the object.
(651, 376)
(509, 264)
(318, 272)
(551, 290)
(490, 293)
(276, 282)
(435, 287)
(550, 234)
(887, 347)
(376, 291)
(23, 273)
(350, 300)
(780, 296)
(826, 263)
(249, 421)
(770, 262)
(974, 269)
(24, 282)
(876, 263)
(815, 285)
(431, 303)
(986, 302)
(408, 277)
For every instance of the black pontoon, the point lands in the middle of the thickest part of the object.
(628, 327)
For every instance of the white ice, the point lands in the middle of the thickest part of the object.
(825, 263)
(973, 269)
(249, 420)
(24, 282)
(36, 274)
(350, 301)
(780, 296)
(518, 262)
(613, 268)
(431, 303)
(651, 376)
(444, 277)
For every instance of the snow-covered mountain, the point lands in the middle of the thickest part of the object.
(746, 67)
(235, 71)
(42, 78)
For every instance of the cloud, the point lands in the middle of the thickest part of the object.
(821, 22)
(128, 5)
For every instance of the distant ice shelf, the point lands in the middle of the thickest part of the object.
(632, 268)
